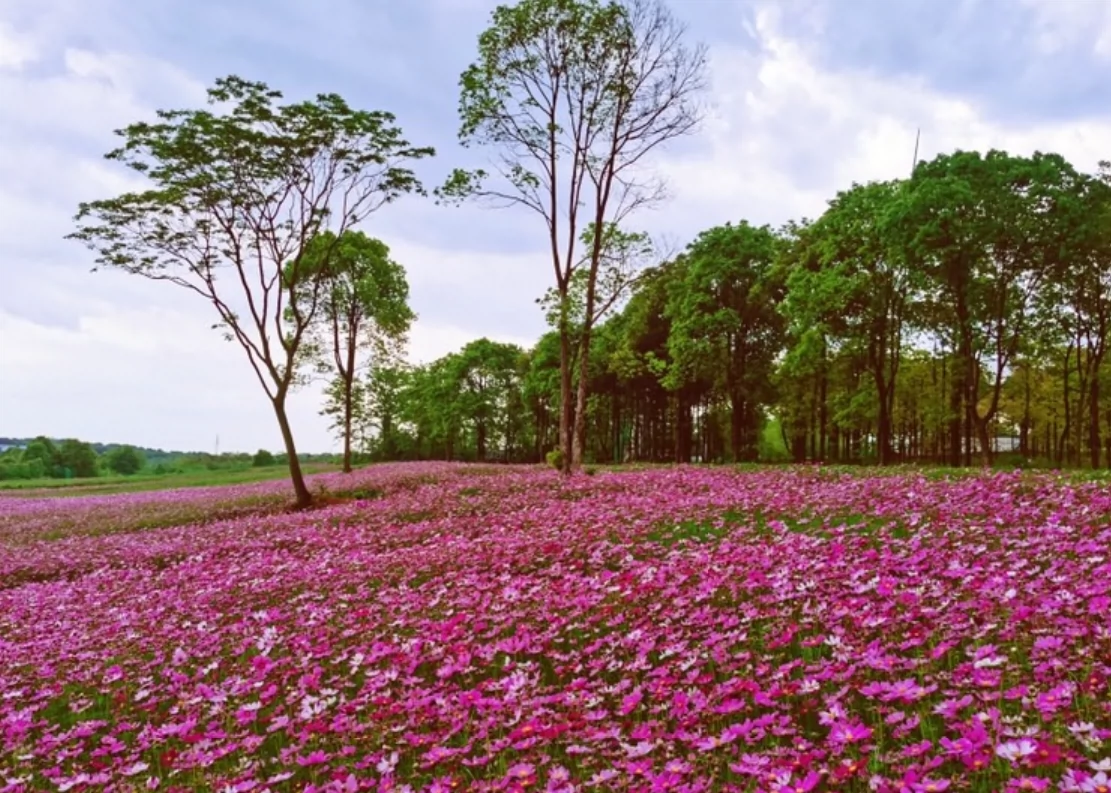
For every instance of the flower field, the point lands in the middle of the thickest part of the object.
(452, 628)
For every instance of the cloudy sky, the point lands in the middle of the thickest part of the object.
(807, 97)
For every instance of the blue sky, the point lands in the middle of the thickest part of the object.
(807, 96)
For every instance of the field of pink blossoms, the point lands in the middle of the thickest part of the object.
(452, 628)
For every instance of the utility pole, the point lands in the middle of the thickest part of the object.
(917, 137)
(216, 453)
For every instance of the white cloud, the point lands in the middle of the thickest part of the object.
(15, 51)
(785, 136)
(1065, 24)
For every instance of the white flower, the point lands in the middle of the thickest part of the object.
(1015, 750)
(138, 768)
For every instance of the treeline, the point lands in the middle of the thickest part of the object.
(47, 458)
(947, 318)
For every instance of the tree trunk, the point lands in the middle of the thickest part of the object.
(823, 416)
(736, 427)
(480, 441)
(981, 426)
(955, 436)
(1024, 427)
(348, 409)
(579, 440)
(683, 428)
(303, 498)
(566, 407)
(1093, 416)
(883, 421)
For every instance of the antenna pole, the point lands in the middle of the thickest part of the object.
(917, 137)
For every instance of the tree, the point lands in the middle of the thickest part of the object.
(574, 95)
(364, 307)
(41, 450)
(725, 323)
(624, 256)
(1077, 297)
(262, 459)
(124, 460)
(77, 457)
(237, 192)
(384, 388)
(860, 290)
(983, 229)
(487, 374)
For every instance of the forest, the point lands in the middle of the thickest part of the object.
(958, 317)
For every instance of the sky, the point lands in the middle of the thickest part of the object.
(806, 97)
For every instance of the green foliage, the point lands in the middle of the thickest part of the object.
(246, 187)
(364, 311)
(41, 450)
(124, 460)
(77, 458)
(574, 95)
(263, 459)
(726, 328)
(13, 469)
(951, 317)
(554, 459)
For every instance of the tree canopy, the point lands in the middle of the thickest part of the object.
(952, 317)
(238, 194)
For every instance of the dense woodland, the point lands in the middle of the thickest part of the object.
(957, 317)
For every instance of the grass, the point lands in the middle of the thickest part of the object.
(107, 485)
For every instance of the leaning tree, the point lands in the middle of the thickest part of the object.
(236, 193)
(573, 96)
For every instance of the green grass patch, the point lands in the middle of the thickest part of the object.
(108, 485)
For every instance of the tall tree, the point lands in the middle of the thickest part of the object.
(363, 312)
(1078, 295)
(861, 290)
(624, 256)
(237, 193)
(725, 324)
(487, 374)
(574, 95)
(384, 386)
(982, 227)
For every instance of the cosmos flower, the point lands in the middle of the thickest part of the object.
(512, 630)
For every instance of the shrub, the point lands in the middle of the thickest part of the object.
(262, 459)
(555, 459)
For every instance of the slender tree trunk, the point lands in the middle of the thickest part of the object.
(955, 400)
(566, 406)
(302, 496)
(480, 440)
(579, 440)
(348, 410)
(1063, 438)
(823, 413)
(736, 427)
(883, 421)
(1093, 415)
(1024, 427)
(684, 426)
